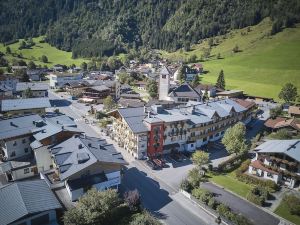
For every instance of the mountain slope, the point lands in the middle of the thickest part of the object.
(263, 65)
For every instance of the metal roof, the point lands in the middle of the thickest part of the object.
(17, 126)
(79, 152)
(23, 198)
(288, 147)
(34, 86)
(26, 103)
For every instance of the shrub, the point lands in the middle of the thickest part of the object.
(258, 195)
(202, 194)
(132, 198)
(232, 163)
(293, 203)
(213, 203)
(224, 210)
(194, 177)
(240, 220)
(185, 185)
(256, 199)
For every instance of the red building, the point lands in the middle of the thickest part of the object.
(155, 137)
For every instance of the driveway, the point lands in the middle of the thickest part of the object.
(253, 213)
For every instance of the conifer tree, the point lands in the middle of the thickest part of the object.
(221, 80)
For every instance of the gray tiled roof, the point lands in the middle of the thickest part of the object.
(17, 126)
(134, 118)
(23, 198)
(26, 103)
(287, 147)
(71, 155)
(34, 86)
(184, 90)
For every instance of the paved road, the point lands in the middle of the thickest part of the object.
(162, 200)
(256, 215)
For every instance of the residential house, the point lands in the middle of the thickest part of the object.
(210, 89)
(294, 111)
(130, 103)
(9, 81)
(82, 162)
(113, 85)
(38, 89)
(95, 94)
(292, 125)
(61, 80)
(24, 106)
(36, 74)
(28, 203)
(141, 85)
(6, 91)
(279, 161)
(250, 107)
(184, 128)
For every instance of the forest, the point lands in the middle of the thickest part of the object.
(94, 28)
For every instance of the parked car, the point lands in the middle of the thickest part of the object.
(151, 164)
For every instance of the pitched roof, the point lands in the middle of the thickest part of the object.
(184, 90)
(100, 88)
(288, 147)
(79, 152)
(26, 103)
(134, 118)
(245, 103)
(164, 71)
(258, 165)
(34, 86)
(17, 126)
(281, 122)
(23, 198)
(294, 110)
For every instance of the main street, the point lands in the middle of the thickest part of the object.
(158, 197)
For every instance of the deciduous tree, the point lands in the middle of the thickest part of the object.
(109, 104)
(200, 158)
(288, 93)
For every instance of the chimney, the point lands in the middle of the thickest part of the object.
(89, 144)
(148, 114)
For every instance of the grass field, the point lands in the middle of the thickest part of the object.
(283, 211)
(229, 182)
(263, 65)
(54, 55)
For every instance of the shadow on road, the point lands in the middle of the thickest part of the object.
(60, 103)
(153, 197)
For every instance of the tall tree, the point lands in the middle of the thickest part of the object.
(221, 80)
(109, 104)
(288, 93)
(152, 88)
(200, 158)
(31, 65)
(44, 59)
(84, 66)
(234, 139)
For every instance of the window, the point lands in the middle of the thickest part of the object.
(13, 154)
(15, 143)
(44, 219)
(270, 175)
(211, 137)
(204, 139)
(24, 141)
(192, 145)
(164, 76)
(25, 150)
(26, 170)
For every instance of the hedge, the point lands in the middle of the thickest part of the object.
(256, 199)
(232, 163)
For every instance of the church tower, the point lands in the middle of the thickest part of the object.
(164, 84)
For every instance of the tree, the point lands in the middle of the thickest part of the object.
(181, 73)
(132, 198)
(221, 80)
(31, 65)
(234, 139)
(275, 112)
(210, 42)
(94, 208)
(200, 158)
(187, 46)
(22, 75)
(195, 81)
(28, 93)
(144, 218)
(219, 56)
(236, 49)
(109, 104)
(205, 96)
(8, 50)
(44, 59)
(194, 177)
(193, 58)
(152, 88)
(1, 71)
(84, 66)
(288, 93)
(22, 45)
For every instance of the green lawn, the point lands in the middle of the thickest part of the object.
(54, 55)
(264, 64)
(228, 181)
(283, 211)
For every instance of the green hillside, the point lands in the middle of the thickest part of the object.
(263, 64)
(55, 56)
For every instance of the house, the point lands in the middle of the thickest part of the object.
(294, 111)
(25, 106)
(210, 89)
(179, 94)
(158, 130)
(290, 124)
(141, 85)
(36, 74)
(38, 89)
(132, 103)
(250, 107)
(113, 85)
(6, 91)
(22, 140)
(130, 95)
(82, 162)
(95, 94)
(279, 161)
(28, 203)
(9, 81)
(198, 67)
(230, 94)
(60, 79)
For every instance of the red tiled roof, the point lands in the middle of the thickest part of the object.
(281, 122)
(258, 165)
(245, 103)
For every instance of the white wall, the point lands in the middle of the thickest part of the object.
(19, 148)
(43, 159)
(20, 174)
